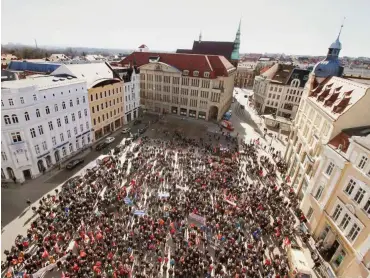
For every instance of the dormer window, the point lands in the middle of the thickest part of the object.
(206, 74)
(185, 72)
(195, 73)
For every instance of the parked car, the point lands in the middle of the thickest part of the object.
(101, 146)
(73, 163)
(136, 122)
(125, 130)
(109, 140)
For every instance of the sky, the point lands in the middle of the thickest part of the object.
(267, 26)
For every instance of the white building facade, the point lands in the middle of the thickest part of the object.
(45, 120)
(131, 102)
(279, 90)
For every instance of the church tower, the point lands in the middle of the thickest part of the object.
(235, 53)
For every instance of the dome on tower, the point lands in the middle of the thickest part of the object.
(337, 44)
(331, 65)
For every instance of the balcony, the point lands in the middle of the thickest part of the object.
(222, 89)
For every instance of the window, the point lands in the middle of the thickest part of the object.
(91, 98)
(87, 124)
(85, 112)
(59, 124)
(73, 117)
(337, 212)
(351, 185)
(11, 102)
(319, 192)
(56, 107)
(44, 145)
(70, 147)
(41, 131)
(47, 110)
(83, 99)
(26, 116)
(75, 130)
(16, 137)
(33, 132)
(7, 120)
(61, 137)
(93, 109)
(103, 118)
(330, 168)
(82, 127)
(34, 97)
(37, 149)
(94, 121)
(54, 140)
(367, 206)
(79, 114)
(63, 105)
(344, 223)
(363, 162)
(77, 144)
(185, 72)
(309, 213)
(353, 233)
(68, 133)
(359, 195)
(78, 101)
(97, 108)
(66, 119)
(38, 113)
(3, 156)
(99, 119)
(70, 103)
(64, 151)
(101, 94)
(22, 100)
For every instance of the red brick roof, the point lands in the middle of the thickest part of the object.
(211, 48)
(215, 65)
(341, 139)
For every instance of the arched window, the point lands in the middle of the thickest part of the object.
(7, 120)
(63, 105)
(38, 113)
(70, 103)
(15, 118)
(56, 107)
(47, 110)
(26, 116)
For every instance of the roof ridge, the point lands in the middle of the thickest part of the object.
(209, 63)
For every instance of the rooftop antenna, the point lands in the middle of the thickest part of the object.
(36, 43)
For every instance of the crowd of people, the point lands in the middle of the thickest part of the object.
(164, 208)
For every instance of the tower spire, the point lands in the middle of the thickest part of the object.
(341, 27)
(235, 53)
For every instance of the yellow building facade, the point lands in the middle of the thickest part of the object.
(106, 107)
(337, 205)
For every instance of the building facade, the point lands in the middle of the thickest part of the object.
(244, 76)
(131, 77)
(197, 86)
(337, 203)
(279, 90)
(45, 120)
(329, 107)
(105, 95)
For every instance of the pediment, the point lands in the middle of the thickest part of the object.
(159, 66)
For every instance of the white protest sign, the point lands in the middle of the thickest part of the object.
(197, 218)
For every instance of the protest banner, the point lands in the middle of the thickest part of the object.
(197, 218)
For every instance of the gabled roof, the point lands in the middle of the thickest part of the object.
(215, 65)
(211, 47)
(336, 95)
(92, 73)
(359, 134)
(279, 73)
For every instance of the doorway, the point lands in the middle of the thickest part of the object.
(40, 165)
(57, 156)
(10, 173)
(331, 251)
(27, 174)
